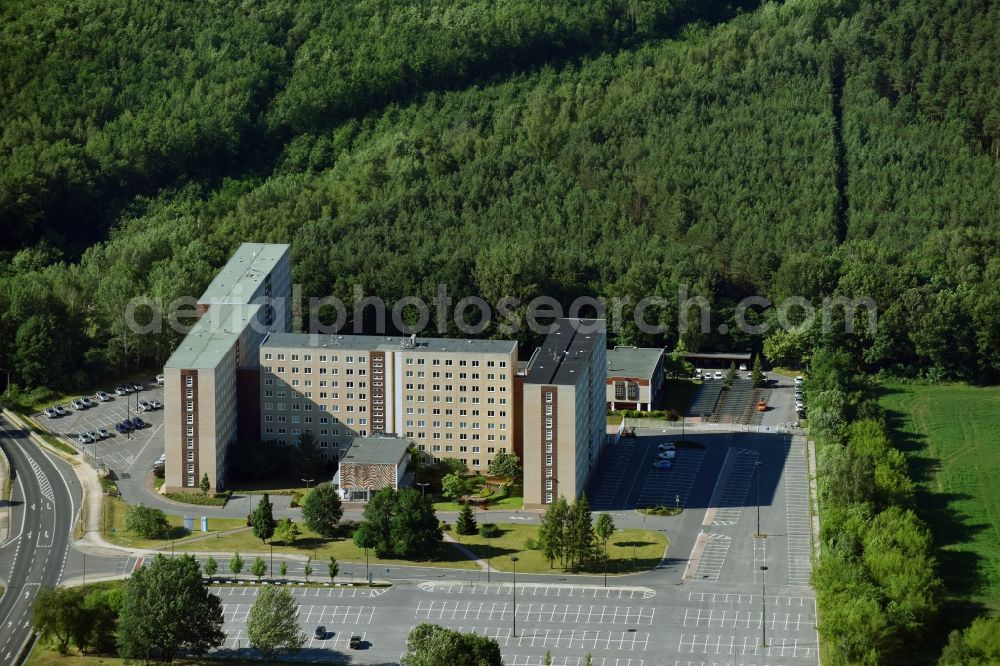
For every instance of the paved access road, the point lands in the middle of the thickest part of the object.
(44, 502)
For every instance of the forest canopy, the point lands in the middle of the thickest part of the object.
(619, 148)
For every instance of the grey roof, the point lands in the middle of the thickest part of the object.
(387, 343)
(635, 362)
(212, 336)
(377, 450)
(237, 281)
(566, 351)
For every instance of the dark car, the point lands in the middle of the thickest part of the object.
(127, 425)
(120, 429)
(320, 633)
(357, 643)
(138, 423)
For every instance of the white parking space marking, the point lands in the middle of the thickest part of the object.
(670, 487)
(310, 614)
(734, 496)
(713, 558)
(541, 590)
(737, 619)
(303, 592)
(759, 558)
(770, 600)
(743, 645)
(798, 524)
(539, 660)
(534, 612)
(613, 473)
(584, 639)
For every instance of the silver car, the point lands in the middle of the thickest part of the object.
(51, 413)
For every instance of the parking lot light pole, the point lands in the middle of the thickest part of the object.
(757, 469)
(513, 561)
(307, 482)
(423, 488)
(763, 606)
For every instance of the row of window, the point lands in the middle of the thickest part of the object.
(409, 360)
(280, 356)
(462, 436)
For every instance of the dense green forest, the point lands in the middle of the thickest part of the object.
(612, 148)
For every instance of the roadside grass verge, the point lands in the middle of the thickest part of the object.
(114, 531)
(197, 499)
(949, 433)
(320, 549)
(513, 539)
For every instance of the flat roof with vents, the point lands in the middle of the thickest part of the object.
(213, 336)
(388, 343)
(238, 280)
(377, 450)
(634, 362)
(565, 352)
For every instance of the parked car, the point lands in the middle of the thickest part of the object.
(155, 404)
(144, 406)
(162, 458)
(120, 429)
(159, 380)
(103, 433)
(749, 375)
(103, 396)
(127, 425)
(78, 404)
(60, 410)
(87, 402)
(95, 435)
(663, 464)
(356, 643)
(667, 455)
(85, 438)
(121, 390)
(667, 446)
(320, 633)
(718, 374)
(51, 413)
(136, 387)
(138, 423)
(743, 366)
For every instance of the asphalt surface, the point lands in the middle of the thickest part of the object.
(45, 499)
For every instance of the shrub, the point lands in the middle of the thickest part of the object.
(489, 531)
(146, 522)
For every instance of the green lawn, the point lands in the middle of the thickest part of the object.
(113, 527)
(951, 434)
(343, 549)
(649, 549)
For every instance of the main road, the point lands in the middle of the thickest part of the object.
(44, 503)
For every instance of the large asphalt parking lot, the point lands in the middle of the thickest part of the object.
(128, 455)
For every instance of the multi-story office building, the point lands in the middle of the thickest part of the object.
(211, 381)
(453, 398)
(564, 422)
(200, 395)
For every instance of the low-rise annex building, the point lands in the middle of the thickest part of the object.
(634, 377)
(370, 464)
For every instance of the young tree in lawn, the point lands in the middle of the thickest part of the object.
(604, 528)
(211, 566)
(333, 568)
(308, 569)
(547, 660)
(168, 609)
(455, 486)
(236, 564)
(286, 532)
(259, 568)
(466, 522)
(552, 534)
(581, 534)
(322, 510)
(273, 623)
(205, 484)
(283, 568)
(146, 521)
(506, 466)
(262, 519)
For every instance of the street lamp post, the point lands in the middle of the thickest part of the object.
(513, 561)
(763, 606)
(271, 566)
(423, 488)
(757, 469)
(307, 482)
